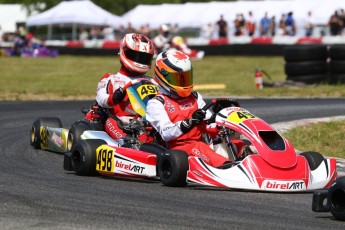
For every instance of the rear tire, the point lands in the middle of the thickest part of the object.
(314, 159)
(173, 167)
(83, 156)
(76, 130)
(158, 150)
(336, 198)
(35, 136)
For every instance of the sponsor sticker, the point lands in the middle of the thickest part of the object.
(237, 115)
(284, 185)
(105, 159)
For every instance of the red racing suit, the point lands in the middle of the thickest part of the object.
(124, 111)
(165, 114)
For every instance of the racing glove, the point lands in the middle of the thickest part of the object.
(118, 95)
(197, 118)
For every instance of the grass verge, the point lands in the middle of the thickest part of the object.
(327, 138)
(76, 77)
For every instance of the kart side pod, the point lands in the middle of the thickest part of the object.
(331, 200)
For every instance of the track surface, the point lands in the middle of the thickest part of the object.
(36, 193)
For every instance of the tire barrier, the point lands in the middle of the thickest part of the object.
(337, 64)
(306, 63)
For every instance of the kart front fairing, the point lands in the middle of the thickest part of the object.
(269, 144)
(273, 166)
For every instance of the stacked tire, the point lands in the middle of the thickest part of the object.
(306, 63)
(337, 64)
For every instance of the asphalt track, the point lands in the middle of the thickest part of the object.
(36, 193)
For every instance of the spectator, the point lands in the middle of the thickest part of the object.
(251, 24)
(108, 33)
(207, 31)
(309, 25)
(84, 35)
(342, 18)
(174, 30)
(265, 25)
(129, 29)
(290, 25)
(95, 33)
(145, 30)
(273, 26)
(240, 25)
(222, 27)
(237, 24)
(281, 27)
(335, 24)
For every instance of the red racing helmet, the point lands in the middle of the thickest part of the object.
(136, 53)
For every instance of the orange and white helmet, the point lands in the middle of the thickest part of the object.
(173, 71)
(136, 53)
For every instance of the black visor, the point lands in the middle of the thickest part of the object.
(140, 57)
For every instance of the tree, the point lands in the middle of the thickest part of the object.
(117, 7)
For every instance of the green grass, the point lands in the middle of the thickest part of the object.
(76, 77)
(327, 138)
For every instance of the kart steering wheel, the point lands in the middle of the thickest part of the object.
(221, 103)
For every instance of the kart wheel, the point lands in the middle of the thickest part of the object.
(158, 150)
(83, 156)
(35, 137)
(336, 198)
(75, 132)
(173, 167)
(314, 159)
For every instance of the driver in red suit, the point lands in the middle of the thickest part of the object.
(176, 111)
(136, 53)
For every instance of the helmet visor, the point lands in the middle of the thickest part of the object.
(181, 79)
(137, 56)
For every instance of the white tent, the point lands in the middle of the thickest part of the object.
(10, 15)
(75, 13)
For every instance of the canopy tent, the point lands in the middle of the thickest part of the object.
(10, 15)
(196, 15)
(75, 13)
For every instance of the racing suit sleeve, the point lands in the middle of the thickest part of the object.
(201, 104)
(103, 96)
(159, 119)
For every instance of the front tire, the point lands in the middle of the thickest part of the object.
(35, 137)
(314, 159)
(83, 156)
(173, 167)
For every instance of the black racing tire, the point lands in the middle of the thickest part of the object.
(337, 67)
(173, 167)
(309, 79)
(337, 52)
(298, 53)
(83, 156)
(76, 130)
(314, 159)
(35, 136)
(158, 150)
(337, 78)
(336, 198)
(306, 68)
